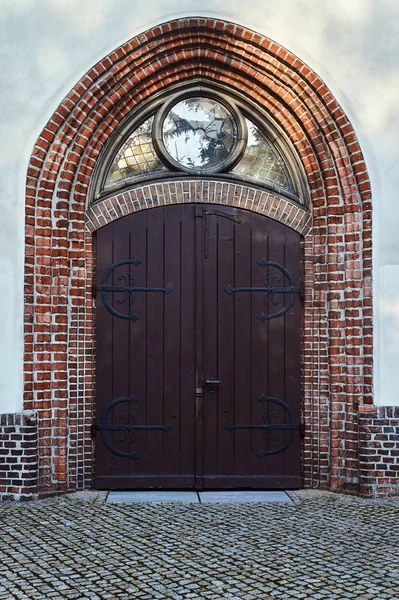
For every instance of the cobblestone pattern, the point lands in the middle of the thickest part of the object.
(379, 451)
(59, 325)
(18, 456)
(323, 547)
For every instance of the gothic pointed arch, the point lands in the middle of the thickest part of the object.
(337, 321)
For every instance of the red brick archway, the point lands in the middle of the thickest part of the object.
(337, 352)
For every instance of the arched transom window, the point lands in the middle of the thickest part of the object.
(202, 133)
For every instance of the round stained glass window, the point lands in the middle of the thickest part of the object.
(199, 134)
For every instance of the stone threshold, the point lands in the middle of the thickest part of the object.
(198, 497)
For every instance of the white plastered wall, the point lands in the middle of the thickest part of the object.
(47, 45)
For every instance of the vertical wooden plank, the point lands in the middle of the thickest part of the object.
(119, 350)
(172, 341)
(137, 355)
(189, 294)
(103, 344)
(155, 342)
(292, 375)
(242, 368)
(200, 426)
(276, 347)
(210, 344)
(226, 347)
(261, 350)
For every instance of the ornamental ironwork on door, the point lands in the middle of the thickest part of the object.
(271, 429)
(127, 288)
(127, 426)
(197, 351)
(271, 289)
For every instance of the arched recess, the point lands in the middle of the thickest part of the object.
(337, 342)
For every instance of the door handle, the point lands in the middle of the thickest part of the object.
(208, 382)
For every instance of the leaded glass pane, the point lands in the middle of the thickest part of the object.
(199, 133)
(261, 161)
(136, 156)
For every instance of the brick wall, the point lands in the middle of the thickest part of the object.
(18, 456)
(337, 322)
(379, 451)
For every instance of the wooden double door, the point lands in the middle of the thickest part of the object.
(197, 350)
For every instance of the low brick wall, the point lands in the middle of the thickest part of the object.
(379, 451)
(18, 456)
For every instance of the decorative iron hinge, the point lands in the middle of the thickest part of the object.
(268, 427)
(126, 427)
(128, 288)
(271, 289)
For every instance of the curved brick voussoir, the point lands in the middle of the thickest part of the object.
(152, 195)
(337, 320)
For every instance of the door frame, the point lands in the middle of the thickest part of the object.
(244, 190)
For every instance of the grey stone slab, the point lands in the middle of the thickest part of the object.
(114, 497)
(244, 497)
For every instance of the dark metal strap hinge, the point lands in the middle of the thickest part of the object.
(271, 289)
(270, 429)
(127, 289)
(126, 427)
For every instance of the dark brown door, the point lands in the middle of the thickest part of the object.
(198, 350)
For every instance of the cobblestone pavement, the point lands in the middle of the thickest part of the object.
(324, 546)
